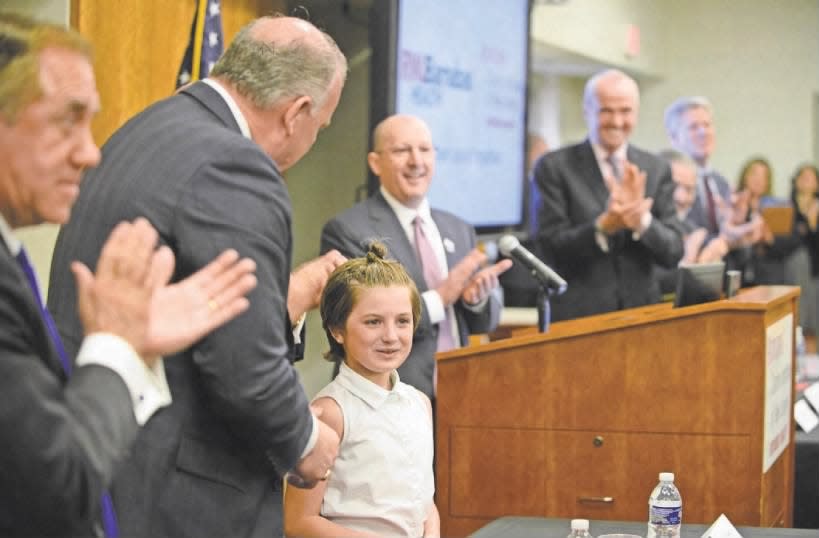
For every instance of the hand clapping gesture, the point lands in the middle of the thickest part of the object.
(470, 281)
(627, 202)
(129, 294)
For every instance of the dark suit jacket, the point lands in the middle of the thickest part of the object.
(350, 233)
(61, 438)
(573, 194)
(698, 214)
(667, 276)
(738, 258)
(211, 463)
(766, 263)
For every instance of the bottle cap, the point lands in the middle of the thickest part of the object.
(580, 524)
(666, 477)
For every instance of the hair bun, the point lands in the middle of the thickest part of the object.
(376, 251)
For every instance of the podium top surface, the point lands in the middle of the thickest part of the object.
(758, 299)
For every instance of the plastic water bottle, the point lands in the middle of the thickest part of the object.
(664, 509)
(580, 529)
(800, 341)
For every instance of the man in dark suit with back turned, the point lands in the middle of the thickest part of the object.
(67, 424)
(205, 167)
(606, 212)
(461, 301)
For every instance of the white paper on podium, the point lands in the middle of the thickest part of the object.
(722, 528)
(778, 389)
(805, 416)
(812, 394)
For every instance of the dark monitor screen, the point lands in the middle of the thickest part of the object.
(461, 66)
(699, 283)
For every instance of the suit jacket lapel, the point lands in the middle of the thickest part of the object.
(595, 181)
(450, 248)
(46, 351)
(634, 158)
(651, 180)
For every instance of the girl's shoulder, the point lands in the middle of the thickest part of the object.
(328, 410)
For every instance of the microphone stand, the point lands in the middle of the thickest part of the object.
(544, 308)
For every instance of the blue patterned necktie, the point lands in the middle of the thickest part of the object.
(109, 518)
(28, 270)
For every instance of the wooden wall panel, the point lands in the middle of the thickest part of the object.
(139, 44)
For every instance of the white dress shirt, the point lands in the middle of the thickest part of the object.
(382, 480)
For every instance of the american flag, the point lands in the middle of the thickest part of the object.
(205, 44)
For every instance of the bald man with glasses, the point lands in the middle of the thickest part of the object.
(437, 248)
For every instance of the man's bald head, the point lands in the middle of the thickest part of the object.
(276, 58)
(403, 157)
(387, 128)
(611, 100)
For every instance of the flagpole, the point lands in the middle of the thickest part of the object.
(197, 39)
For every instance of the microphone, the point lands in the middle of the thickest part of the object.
(510, 247)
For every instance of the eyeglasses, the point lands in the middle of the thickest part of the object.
(406, 151)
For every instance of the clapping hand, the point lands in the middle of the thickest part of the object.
(737, 211)
(627, 203)
(129, 295)
(692, 244)
(632, 185)
(714, 251)
(183, 312)
(460, 276)
(484, 281)
(308, 281)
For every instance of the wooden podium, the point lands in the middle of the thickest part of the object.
(578, 422)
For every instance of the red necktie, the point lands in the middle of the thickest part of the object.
(711, 206)
(433, 277)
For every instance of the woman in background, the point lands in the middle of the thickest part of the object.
(766, 264)
(803, 265)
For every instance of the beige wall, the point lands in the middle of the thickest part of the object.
(572, 125)
(758, 66)
(597, 30)
(56, 11)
